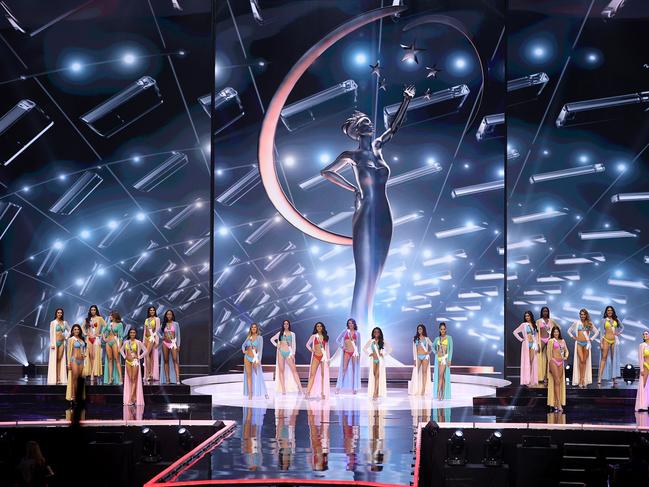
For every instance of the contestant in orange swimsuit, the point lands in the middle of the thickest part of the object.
(318, 345)
(349, 370)
(92, 327)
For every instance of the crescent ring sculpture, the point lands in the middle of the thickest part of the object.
(372, 222)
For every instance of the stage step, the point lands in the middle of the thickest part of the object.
(96, 394)
(586, 463)
(536, 397)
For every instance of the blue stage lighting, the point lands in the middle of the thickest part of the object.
(360, 58)
(128, 58)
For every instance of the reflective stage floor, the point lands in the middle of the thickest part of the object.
(346, 437)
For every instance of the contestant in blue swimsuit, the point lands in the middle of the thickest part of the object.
(253, 348)
(76, 358)
(420, 383)
(59, 332)
(286, 380)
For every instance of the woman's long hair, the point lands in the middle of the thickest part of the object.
(148, 314)
(381, 341)
(281, 331)
(353, 322)
(589, 322)
(552, 332)
(115, 316)
(56, 311)
(614, 315)
(89, 317)
(80, 332)
(325, 337)
(532, 320)
(425, 333)
(164, 318)
(250, 330)
(443, 323)
(33, 452)
(545, 308)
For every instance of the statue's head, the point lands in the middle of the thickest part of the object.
(358, 125)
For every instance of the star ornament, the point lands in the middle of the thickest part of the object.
(410, 52)
(376, 69)
(383, 84)
(427, 94)
(432, 72)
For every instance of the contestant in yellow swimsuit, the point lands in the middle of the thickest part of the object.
(609, 363)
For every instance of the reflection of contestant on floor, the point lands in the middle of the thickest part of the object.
(376, 427)
(285, 421)
(350, 419)
(253, 420)
(318, 419)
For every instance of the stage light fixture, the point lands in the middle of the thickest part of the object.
(493, 450)
(568, 374)
(456, 449)
(432, 429)
(149, 445)
(185, 439)
(628, 373)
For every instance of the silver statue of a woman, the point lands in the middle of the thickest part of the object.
(372, 222)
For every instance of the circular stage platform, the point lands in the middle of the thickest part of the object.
(227, 390)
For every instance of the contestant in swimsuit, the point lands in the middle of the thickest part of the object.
(609, 363)
(112, 338)
(583, 332)
(557, 354)
(528, 334)
(92, 327)
(151, 344)
(59, 332)
(349, 370)
(76, 358)
(318, 345)
(422, 347)
(170, 349)
(544, 325)
(642, 396)
(443, 349)
(253, 348)
(377, 349)
(285, 342)
(132, 351)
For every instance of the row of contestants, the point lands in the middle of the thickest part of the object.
(349, 376)
(103, 342)
(544, 353)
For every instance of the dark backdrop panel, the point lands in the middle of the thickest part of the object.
(117, 248)
(265, 270)
(585, 57)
